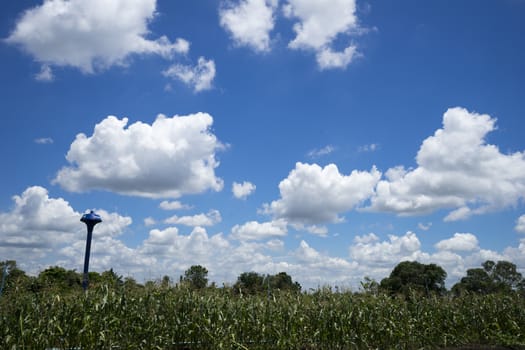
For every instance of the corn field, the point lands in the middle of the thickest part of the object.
(179, 318)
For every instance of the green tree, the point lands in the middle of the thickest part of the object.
(59, 279)
(16, 279)
(254, 283)
(111, 278)
(283, 281)
(249, 283)
(412, 275)
(500, 277)
(196, 276)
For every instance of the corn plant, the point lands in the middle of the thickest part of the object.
(182, 318)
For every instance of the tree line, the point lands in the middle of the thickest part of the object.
(406, 278)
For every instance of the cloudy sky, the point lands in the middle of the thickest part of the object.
(328, 139)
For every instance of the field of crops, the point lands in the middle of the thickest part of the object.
(180, 318)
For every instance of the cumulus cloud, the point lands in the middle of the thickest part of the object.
(173, 205)
(460, 242)
(520, 224)
(242, 190)
(45, 74)
(199, 77)
(249, 22)
(311, 194)
(90, 35)
(169, 158)
(456, 169)
(319, 24)
(41, 231)
(114, 224)
(328, 58)
(320, 230)
(316, 267)
(209, 219)
(38, 227)
(370, 251)
(149, 221)
(174, 251)
(254, 230)
(46, 221)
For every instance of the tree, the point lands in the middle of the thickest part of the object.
(249, 283)
(500, 277)
(254, 283)
(283, 281)
(412, 275)
(196, 276)
(16, 279)
(59, 279)
(111, 278)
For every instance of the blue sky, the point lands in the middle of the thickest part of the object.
(328, 139)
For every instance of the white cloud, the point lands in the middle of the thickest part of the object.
(45, 74)
(319, 24)
(461, 213)
(44, 141)
(315, 267)
(329, 59)
(460, 242)
(423, 226)
(169, 158)
(254, 230)
(209, 219)
(370, 251)
(199, 77)
(456, 170)
(90, 35)
(311, 194)
(316, 153)
(47, 221)
(149, 221)
(42, 231)
(520, 224)
(319, 230)
(368, 148)
(113, 224)
(320, 21)
(243, 190)
(173, 205)
(39, 227)
(249, 22)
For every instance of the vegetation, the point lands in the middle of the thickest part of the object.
(254, 283)
(121, 314)
(500, 277)
(413, 276)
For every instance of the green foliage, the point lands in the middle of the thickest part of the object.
(500, 277)
(178, 318)
(410, 276)
(16, 280)
(59, 279)
(283, 281)
(196, 276)
(254, 283)
(249, 283)
(125, 315)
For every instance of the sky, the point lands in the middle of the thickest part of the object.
(330, 139)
